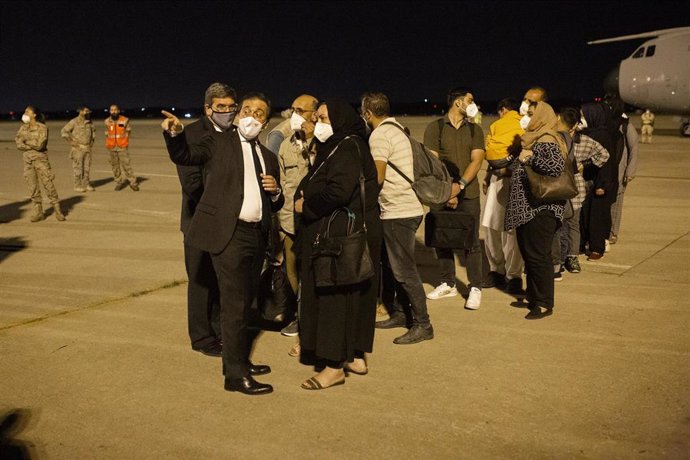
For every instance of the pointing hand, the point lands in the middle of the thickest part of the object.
(171, 122)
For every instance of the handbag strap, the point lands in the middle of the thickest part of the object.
(350, 214)
(329, 155)
(361, 183)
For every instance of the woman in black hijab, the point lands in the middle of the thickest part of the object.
(602, 185)
(337, 323)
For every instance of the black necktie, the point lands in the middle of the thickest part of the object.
(265, 205)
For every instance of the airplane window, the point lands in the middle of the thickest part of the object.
(650, 51)
(639, 53)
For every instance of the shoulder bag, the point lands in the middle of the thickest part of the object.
(550, 188)
(342, 260)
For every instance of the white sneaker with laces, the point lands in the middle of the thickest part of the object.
(441, 291)
(474, 300)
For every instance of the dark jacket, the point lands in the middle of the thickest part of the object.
(192, 177)
(220, 154)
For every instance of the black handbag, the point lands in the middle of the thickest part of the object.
(449, 230)
(275, 299)
(342, 260)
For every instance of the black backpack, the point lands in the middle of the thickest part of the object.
(432, 182)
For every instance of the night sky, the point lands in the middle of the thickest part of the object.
(58, 55)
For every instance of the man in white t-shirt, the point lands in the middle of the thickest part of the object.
(401, 215)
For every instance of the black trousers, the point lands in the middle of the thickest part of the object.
(238, 267)
(595, 222)
(535, 239)
(203, 298)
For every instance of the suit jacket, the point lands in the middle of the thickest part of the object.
(213, 224)
(192, 177)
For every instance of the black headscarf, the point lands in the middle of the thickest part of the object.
(345, 122)
(597, 128)
(595, 114)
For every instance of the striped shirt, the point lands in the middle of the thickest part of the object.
(397, 199)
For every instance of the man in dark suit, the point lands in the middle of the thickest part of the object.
(231, 222)
(203, 296)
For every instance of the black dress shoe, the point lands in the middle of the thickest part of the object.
(539, 312)
(248, 386)
(258, 369)
(416, 334)
(214, 349)
(396, 320)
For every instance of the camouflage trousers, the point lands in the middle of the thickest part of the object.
(37, 169)
(81, 165)
(122, 166)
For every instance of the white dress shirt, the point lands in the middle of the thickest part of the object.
(251, 204)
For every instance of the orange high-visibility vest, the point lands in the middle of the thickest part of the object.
(116, 134)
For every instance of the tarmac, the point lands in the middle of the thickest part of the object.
(95, 357)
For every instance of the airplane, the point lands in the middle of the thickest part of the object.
(656, 75)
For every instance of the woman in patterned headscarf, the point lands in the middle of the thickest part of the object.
(544, 150)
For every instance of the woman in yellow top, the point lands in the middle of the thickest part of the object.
(505, 262)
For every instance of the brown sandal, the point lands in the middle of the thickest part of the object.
(313, 384)
(295, 350)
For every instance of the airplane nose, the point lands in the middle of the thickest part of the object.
(611, 81)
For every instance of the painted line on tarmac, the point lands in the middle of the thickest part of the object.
(657, 252)
(143, 174)
(101, 303)
(610, 265)
(662, 178)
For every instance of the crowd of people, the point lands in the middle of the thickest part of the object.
(328, 166)
(330, 171)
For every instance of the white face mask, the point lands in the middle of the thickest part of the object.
(524, 107)
(25, 118)
(472, 110)
(296, 121)
(524, 122)
(322, 131)
(249, 127)
(582, 125)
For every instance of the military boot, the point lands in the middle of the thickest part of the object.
(38, 213)
(58, 212)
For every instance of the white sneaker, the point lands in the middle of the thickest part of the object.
(474, 300)
(607, 246)
(441, 291)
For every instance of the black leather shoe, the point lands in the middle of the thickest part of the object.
(215, 349)
(258, 369)
(415, 335)
(396, 320)
(538, 313)
(248, 386)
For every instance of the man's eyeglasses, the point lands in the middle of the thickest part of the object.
(299, 111)
(259, 114)
(224, 108)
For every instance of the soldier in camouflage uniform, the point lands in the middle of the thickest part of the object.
(117, 141)
(80, 134)
(32, 139)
